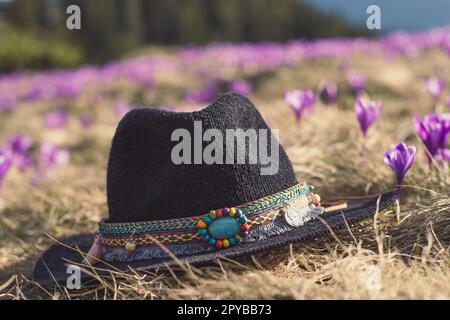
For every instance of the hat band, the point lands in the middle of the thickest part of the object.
(219, 229)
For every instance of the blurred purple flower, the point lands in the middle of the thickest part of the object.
(19, 146)
(299, 101)
(400, 159)
(85, 121)
(443, 155)
(6, 102)
(35, 93)
(433, 130)
(241, 87)
(56, 119)
(435, 86)
(168, 107)
(328, 92)
(367, 113)
(205, 94)
(69, 87)
(357, 82)
(344, 65)
(5, 164)
(141, 77)
(121, 108)
(51, 156)
(446, 45)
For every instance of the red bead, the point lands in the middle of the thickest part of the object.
(245, 227)
(219, 213)
(219, 244)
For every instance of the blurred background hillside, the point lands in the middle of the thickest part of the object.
(33, 33)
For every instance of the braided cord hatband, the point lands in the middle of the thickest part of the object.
(169, 231)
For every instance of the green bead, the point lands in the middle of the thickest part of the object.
(238, 238)
(212, 214)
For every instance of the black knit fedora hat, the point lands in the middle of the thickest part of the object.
(197, 211)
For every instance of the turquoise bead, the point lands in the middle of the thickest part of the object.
(212, 242)
(202, 232)
(223, 228)
(207, 220)
(232, 241)
(243, 219)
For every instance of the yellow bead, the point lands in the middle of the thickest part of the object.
(232, 212)
(225, 243)
(201, 224)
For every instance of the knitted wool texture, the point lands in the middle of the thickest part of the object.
(144, 184)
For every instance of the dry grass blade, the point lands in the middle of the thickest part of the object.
(412, 255)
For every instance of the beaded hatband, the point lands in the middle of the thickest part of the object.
(219, 229)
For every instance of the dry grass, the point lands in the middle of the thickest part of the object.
(413, 256)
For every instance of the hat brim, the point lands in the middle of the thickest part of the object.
(51, 267)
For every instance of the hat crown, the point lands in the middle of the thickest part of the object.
(144, 183)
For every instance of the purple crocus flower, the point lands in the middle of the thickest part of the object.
(34, 94)
(68, 89)
(85, 121)
(141, 77)
(19, 146)
(299, 101)
(168, 107)
(400, 159)
(443, 155)
(367, 113)
(435, 87)
(328, 92)
(6, 102)
(433, 130)
(51, 156)
(446, 45)
(121, 108)
(205, 94)
(56, 119)
(357, 82)
(5, 164)
(241, 87)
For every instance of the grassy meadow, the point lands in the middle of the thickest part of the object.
(412, 253)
